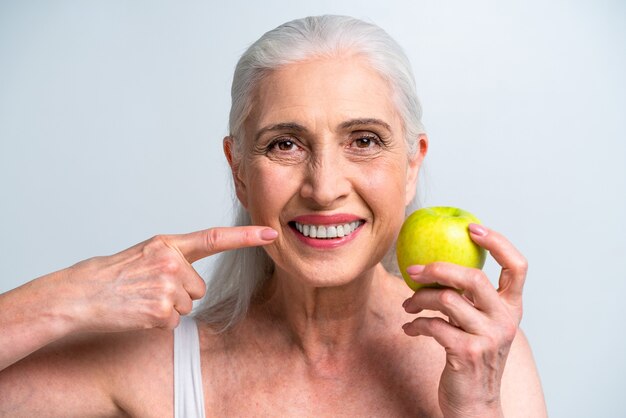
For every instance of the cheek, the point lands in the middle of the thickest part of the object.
(268, 191)
(387, 192)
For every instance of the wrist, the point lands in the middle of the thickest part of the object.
(32, 317)
(59, 310)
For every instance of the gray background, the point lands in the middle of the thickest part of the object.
(112, 115)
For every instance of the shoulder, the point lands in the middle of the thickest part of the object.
(110, 374)
(142, 376)
(521, 386)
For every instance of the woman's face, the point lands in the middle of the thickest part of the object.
(324, 155)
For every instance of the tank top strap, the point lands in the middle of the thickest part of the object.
(188, 394)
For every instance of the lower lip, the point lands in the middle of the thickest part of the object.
(326, 243)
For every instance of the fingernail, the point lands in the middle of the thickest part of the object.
(414, 270)
(405, 303)
(477, 229)
(268, 234)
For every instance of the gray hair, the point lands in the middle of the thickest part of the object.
(238, 274)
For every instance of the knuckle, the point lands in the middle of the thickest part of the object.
(434, 269)
(198, 289)
(185, 307)
(249, 237)
(434, 325)
(509, 331)
(162, 311)
(211, 238)
(154, 244)
(475, 350)
(170, 264)
(520, 265)
(448, 297)
(168, 288)
(157, 241)
(477, 279)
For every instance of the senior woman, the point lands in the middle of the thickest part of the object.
(301, 318)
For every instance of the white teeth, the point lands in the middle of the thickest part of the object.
(327, 231)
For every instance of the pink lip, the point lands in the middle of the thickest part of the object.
(327, 243)
(339, 218)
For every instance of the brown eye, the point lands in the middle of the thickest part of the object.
(364, 142)
(285, 145)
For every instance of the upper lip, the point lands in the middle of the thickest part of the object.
(337, 218)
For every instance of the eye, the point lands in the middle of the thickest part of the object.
(364, 142)
(284, 145)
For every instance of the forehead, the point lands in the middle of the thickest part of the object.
(323, 92)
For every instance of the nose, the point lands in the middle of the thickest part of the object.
(326, 182)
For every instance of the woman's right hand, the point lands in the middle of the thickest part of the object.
(148, 285)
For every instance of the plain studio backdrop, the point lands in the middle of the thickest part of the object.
(112, 116)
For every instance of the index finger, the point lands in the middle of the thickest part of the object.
(197, 245)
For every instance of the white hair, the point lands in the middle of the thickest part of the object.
(238, 274)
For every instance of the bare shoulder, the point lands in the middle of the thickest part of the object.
(106, 374)
(522, 394)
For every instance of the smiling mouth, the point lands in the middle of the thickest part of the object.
(326, 231)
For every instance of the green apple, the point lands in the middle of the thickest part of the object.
(437, 234)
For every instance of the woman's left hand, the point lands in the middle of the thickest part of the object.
(482, 323)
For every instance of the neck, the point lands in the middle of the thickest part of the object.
(325, 323)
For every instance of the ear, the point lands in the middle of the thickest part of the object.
(415, 162)
(235, 168)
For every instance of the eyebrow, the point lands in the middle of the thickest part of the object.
(296, 127)
(363, 122)
(285, 126)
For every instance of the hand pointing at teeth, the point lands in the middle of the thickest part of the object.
(152, 283)
(149, 285)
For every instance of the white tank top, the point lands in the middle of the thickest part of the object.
(188, 394)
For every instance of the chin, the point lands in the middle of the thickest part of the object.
(324, 273)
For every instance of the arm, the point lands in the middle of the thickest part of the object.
(93, 375)
(146, 286)
(34, 315)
